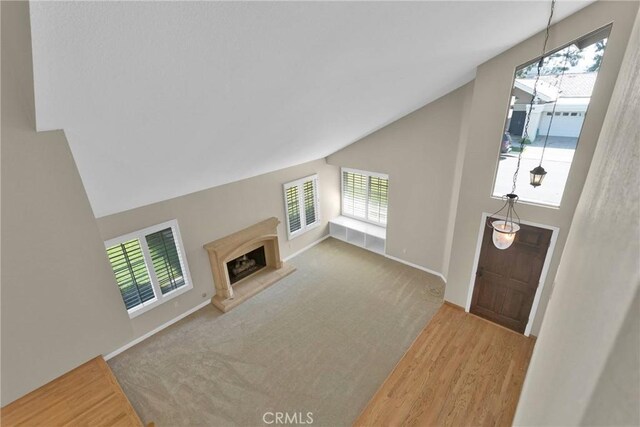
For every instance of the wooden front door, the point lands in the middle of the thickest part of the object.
(506, 280)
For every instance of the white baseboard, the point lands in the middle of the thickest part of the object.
(419, 267)
(156, 330)
(194, 309)
(203, 304)
(306, 247)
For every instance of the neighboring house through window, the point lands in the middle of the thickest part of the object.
(149, 266)
(365, 195)
(301, 205)
(562, 97)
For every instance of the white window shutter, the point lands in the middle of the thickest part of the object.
(301, 205)
(365, 195)
(294, 217)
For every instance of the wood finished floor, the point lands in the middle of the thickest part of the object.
(86, 396)
(461, 370)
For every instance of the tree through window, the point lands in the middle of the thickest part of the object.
(563, 95)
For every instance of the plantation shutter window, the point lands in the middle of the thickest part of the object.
(165, 257)
(301, 205)
(365, 195)
(293, 209)
(309, 191)
(149, 266)
(354, 191)
(132, 277)
(378, 199)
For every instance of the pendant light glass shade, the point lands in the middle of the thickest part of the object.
(537, 175)
(504, 233)
(504, 230)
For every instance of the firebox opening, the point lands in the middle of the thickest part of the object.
(246, 264)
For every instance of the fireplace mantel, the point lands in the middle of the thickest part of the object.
(228, 248)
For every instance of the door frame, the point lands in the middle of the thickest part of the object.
(543, 273)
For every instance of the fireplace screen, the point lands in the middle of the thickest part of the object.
(246, 264)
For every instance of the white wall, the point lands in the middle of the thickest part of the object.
(57, 313)
(420, 153)
(60, 306)
(438, 191)
(492, 91)
(60, 303)
(585, 365)
(617, 393)
(210, 214)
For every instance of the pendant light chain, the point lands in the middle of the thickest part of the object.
(534, 95)
(555, 104)
(504, 231)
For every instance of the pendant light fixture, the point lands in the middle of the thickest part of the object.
(538, 173)
(504, 230)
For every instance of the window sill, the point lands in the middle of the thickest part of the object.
(363, 220)
(529, 202)
(292, 236)
(137, 311)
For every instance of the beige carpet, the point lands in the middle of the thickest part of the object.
(321, 340)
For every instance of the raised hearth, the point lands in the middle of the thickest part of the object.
(246, 262)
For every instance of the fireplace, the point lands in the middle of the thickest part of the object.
(246, 262)
(245, 265)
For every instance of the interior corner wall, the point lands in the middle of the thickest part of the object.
(585, 366)
(463, 139)
(210, 214)
(615, 398)
(59, 304)
(492, 89)
(419, 153)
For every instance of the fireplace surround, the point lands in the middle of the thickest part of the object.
(246, 262)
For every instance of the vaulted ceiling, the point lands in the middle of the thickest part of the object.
(162, 99)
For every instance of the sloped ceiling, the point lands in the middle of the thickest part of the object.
(162, 99)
